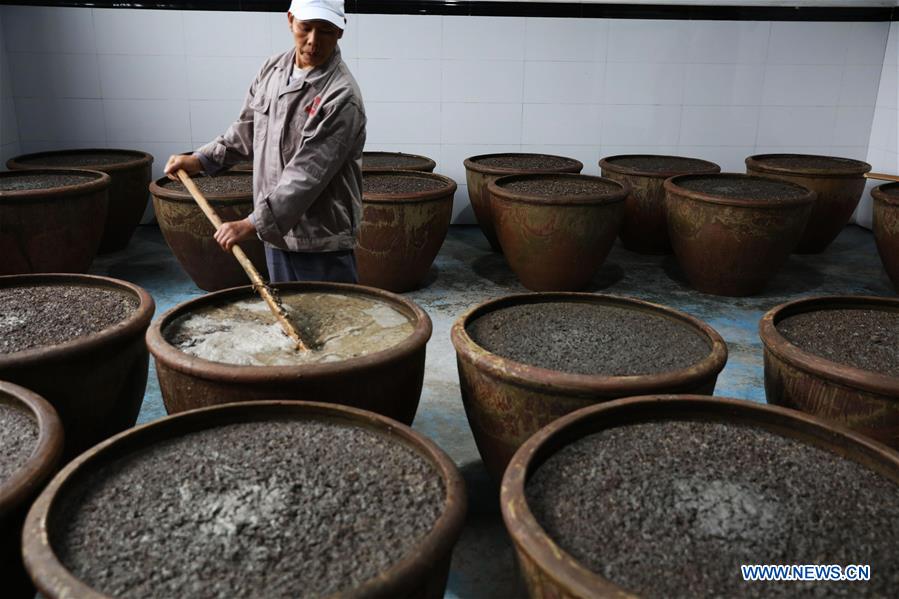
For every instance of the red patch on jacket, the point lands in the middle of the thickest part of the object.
(313, 107)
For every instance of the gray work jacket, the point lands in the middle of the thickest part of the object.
(306, 142)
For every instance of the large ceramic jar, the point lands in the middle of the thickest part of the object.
(556, 230)
(481, 170)
(731, 233)
(31, 441)
(838, 183)
(190, 234)
(405, 218)
(367, 349)
(836, 357)
(668, 496)
(272, 499)
(525, 360)
(644, 228)
(78, 342)
(51, 220)
(886, 228)
(129, 172)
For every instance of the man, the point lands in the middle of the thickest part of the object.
(303, 124)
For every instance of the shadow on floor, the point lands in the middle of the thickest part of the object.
(484, 535)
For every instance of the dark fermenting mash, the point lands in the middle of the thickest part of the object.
(587, 338)
(674, 508)
(281, 508)
(550, 186)
(232, 182)
(18, 438)
(861, 338)
(27, 181)
(46, 315)
(742, 187)
(526, 162)
(399, 184)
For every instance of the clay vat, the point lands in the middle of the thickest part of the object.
(189, 233)
(421, 572)
(387, 382)
(479, 173)
(129, 172)
(23, 485)
(886, 228)
(95, 382)
(733, 245)
(506, 401)
(838, 183)
(381, 161)
(550, 571)
(862, 400)
(56, 229)
(556, 242)
(401, 233)
(644, 228)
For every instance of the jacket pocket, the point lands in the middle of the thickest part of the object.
(260, 105)
(293, 133)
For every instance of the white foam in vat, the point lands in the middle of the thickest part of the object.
(339, 327)
(386, 316)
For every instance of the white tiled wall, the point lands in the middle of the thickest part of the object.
(9, 129)
(451, 87)
(883, 147)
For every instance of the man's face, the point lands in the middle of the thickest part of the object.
(315, 40)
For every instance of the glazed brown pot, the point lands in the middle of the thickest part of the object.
(96, 382)
(556, 243)
(401, 234)
(19, 490)
(732, 246)
(506, 401)
(422, 573)
(644, 228)
(52, 230)
(127, 187)
(390, 161)
(886, 228)
(387, 382)
(189, 234)
(478, 177)
(838, 186)
(865, 401)
(549, 571)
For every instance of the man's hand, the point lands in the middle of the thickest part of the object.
(191, 165)
(234, 232)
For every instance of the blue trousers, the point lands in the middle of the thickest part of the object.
(335, 267)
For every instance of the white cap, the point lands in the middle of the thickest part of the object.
(319, 10)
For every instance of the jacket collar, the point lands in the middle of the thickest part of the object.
(313, 77)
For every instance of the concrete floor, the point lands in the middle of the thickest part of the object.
(467, 273)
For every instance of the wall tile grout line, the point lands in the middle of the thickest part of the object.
(524, 54)
(758, 123)
(184, 40)
(99, 78)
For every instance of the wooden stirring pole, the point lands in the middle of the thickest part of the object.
(258, 284)
(881, 177)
